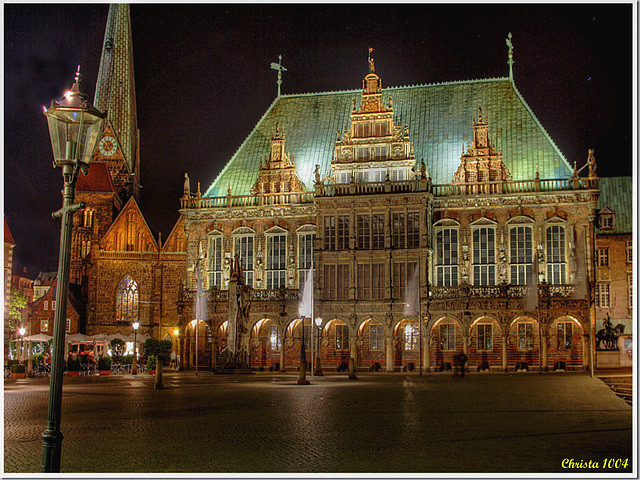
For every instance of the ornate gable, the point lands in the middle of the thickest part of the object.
(277, 171)
(177, 240)
(481, 163)
(129, 232)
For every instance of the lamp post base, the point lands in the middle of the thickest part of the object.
(52, 451)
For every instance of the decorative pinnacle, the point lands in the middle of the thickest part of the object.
(510, 61)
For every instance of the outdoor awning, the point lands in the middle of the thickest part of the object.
(80, 338)
(40, 337)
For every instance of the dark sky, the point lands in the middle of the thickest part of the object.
(203, 81)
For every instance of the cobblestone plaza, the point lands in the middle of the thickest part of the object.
(265, 423)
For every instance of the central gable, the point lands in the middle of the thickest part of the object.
(129, 232)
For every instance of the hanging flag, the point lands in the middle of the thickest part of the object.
(412, 293)
(306, 305)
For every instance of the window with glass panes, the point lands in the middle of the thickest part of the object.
(364, 232)
(629, 251)
(484, 256)
(376, 337)
(485, 336)
(343, 282)
(630, 289)
(521, 254)
(343, 232)
(411, 337)
(127, 300)
(413, 230)
(448, 336)
(603, 257)
(276, 261)
(44, 325)
(330, 232)
(556, 259)
(565, 335)
(342, 337)
(306, 243)
(330, 287)
(602, 295)
(398, 238)
(377, 281)
(67, 326)
(243, 247)
(215, 261)
(525, 336)
(377, 231)
(447, 257)
(364, 281)
(274, 339)
(400, 276)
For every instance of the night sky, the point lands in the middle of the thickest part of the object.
(203, 82)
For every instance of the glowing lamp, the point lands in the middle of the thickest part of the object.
(22, 331)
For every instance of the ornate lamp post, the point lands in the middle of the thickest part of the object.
(74, 126)
(22, 331)
(134, 366)
(318, 366)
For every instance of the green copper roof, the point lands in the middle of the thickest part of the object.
(440, 119)
(617, 194)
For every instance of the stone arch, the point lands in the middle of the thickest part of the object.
(567, 345)
(203, 344)
(523, 343)
(406, 343)
(336, 344)
(372, 344)
(446, 339)
(265, 343)
(485, 346)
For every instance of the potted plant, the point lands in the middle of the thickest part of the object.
(17, 370)
(73, 367)
(151, 365)
(160, 350)
(104, 365)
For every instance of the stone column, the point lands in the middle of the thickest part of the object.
(545, 350)
(505, 365)
(465, 345)
(389, 351)
(353, 360)
(425, 355)
(282, 357)
(585, 352)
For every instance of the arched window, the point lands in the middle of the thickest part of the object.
(127, 300)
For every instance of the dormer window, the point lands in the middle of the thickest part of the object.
(607, 219)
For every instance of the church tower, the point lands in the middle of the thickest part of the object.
(114, 174)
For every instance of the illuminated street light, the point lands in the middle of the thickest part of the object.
(74, 126)
(318, 367)
(134, 367)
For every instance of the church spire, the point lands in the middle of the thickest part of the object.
(115, 88)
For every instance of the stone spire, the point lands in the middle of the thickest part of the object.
(115, 88)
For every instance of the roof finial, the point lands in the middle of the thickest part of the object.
(278, 66)
(510, 61)
(372, 67)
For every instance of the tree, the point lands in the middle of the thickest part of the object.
(160, 349)
(17, 304)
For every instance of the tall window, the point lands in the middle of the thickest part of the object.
(44, 325)
(88, 217)
(364, 281)
(413, 229)
(447, 257)
(376, 337)
(484, 256)
(603, 257)
(306, 242)
(525, 336)
(556, 262)
(343, 232)
(521, 258)
(602, 295)
(336, 282)
(377, 231)
(565, 335)
(243, 246)
(377, 291)
(411, 337)
(448, 336)
(398, 237)
(127, 300)
(276, 261)
(67, 325)
(485, 336)
(330, 290)
(86, 247)
(342, 337)
(364, 232)
(630, 289)
(629, 251)
(274, 339)
(330, 232)
(215, 261)
(343, 282)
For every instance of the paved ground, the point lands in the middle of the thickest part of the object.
(523, 422)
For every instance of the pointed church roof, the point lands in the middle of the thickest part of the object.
(115, 88)
(129, 231)
(8, 238)
(440, 119)
(97, 179)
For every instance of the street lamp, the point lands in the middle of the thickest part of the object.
(74, 126)
(318, 369)
(134, 367)
(22, 331)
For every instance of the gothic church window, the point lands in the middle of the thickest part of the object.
(276, 261)
(411, 337)
(484, 256)
(127, 300)
(215, 261)
(376, 337)
(556, 259)
(88, 217)
(521, 254)
(447, 257)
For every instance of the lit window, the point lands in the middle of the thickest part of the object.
(88, 217)
(447, 257)
(565, 334)
(243, 247)
(484, 256)
(46, 305)
(525, 336)
(448, 336)
(68, 325)
(127, 301)
(485, 337)
(556, 263)
(521, 254)
(411, 337)
(274, 339)
(342, 337)
(276, 261)
(44, 325)
(376, 337)
(215, 261)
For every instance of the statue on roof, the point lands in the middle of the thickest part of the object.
(372, 67)
(186, 187)
(591, 161)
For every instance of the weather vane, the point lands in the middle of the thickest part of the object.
(278, 66)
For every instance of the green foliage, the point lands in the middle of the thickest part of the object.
(151, 363)
(11, 363)
(126, 359)
(17, 304)
(18, 368)
(118, 347)
(159, 348)
(38, 359)
(13, 348)
(104, 363)
(73, 364)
